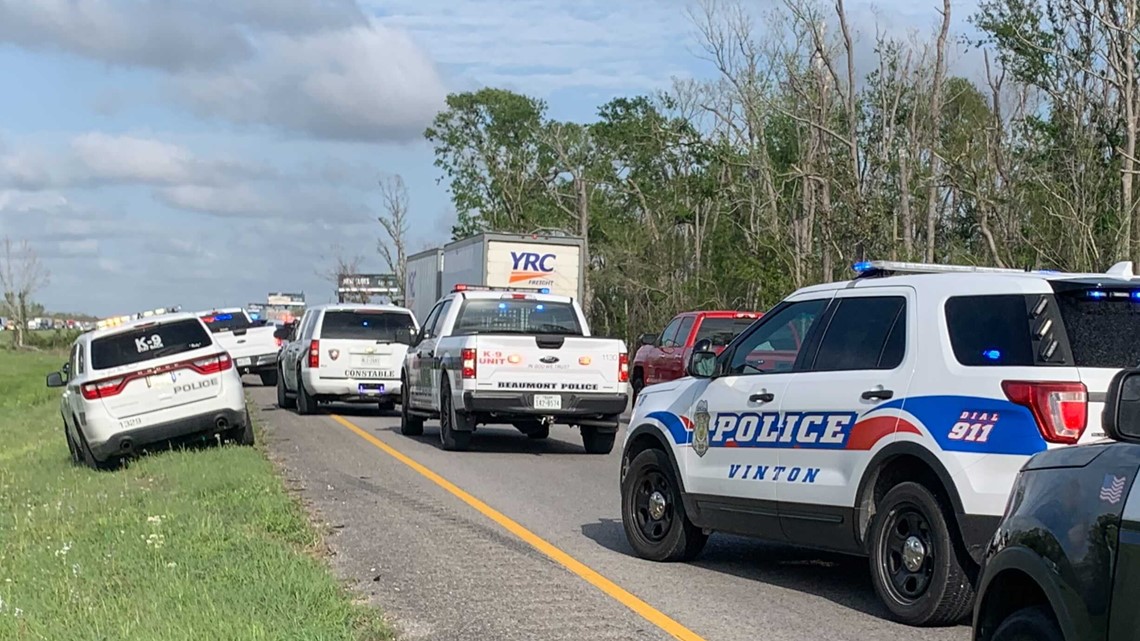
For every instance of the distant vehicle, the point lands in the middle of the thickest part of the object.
(251, 343)
(144, 382)
(525, 358)
(662, 357)
(344, 352)
(1065, 562)
(553, 263)
(884, 416)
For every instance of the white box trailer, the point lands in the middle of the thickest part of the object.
(516, 260)
(423, 275)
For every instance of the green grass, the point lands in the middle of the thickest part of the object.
(185, 545)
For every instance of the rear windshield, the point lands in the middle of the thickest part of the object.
(721, 331)
(226, 321)
(515, 316)
(370, 325)
(1103, 326)
(146, 343)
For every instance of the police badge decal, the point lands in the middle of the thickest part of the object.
(701, 428)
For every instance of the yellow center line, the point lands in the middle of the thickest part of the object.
(613, 590)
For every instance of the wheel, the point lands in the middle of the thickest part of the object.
(283, 400)
(410, 425)
(268, 377)
(386, 406)
(636, 384)
(72, 448)
(243, 435)
(1029, 624)
(89, 457)
(596, 441)
(539, 433)
(452, 439)
(914, 565)
(306, 404)
(652, 512)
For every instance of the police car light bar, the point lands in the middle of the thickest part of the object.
(876, 267)
(487, 288)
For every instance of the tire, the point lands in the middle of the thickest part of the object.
(670, 536)
(410, 425)
(1029, 624)
(636, 384)
(306, 404)
(386, 406)
(539, 433)
(72, 448)
(939, 591)
(89, 457)
(243, 435)
(283, 400)
(597, 442)
(268, 377)
(453, 440)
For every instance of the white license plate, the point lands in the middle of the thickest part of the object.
(370, 361)
(160, 381)
(547, 402)
(244, 362)
(370, 373)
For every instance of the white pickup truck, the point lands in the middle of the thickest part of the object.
(518, 357)
(250, 343)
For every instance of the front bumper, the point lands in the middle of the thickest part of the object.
(204, 424)
(601, 410)
(254, 364)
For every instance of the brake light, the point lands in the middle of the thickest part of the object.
(212, 364)
(468, 357)
(1060, 409)
(315, 353)
(105, 388)
(623, 368)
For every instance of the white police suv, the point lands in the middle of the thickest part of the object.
(886, 416)
(148, 381)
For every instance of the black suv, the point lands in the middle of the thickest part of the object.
(1065, 562)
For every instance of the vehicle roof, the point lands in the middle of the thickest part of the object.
(717, 313)
(223, 310)
(974, 282)
(342, 307)
(498, 294)
(140, 322)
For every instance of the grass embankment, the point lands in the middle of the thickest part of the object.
(184, 545)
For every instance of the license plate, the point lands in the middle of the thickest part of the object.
(369, 373)
(370, 388)
(244, 362)
(160, 381)
(547, 402)
(370, 361)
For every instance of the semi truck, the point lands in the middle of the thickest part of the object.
(526, 261)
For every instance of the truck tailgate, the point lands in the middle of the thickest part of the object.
(255, 341)
(548, 363)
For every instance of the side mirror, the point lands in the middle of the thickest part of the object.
(66, 369)
(648, 339)
(1121, 417)
(702, 364)
(283, 332)
(407, 335)
(703, 345)
(55, 379)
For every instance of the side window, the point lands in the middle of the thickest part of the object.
(80, 360)
(989, 330)
(776, 340)
(307, 325)
(429, 322)
(668, 337)
(686, 329)
(864, 333)
(72, 369)
(437, 327)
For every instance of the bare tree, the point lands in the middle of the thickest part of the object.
(21, 275)
(394, 249)
(342, 265)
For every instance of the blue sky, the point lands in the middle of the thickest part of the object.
(206, 153)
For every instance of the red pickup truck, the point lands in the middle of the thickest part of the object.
(662, 357)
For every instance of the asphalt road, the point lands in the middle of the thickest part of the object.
(443, 570)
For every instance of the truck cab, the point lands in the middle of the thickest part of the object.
(662, 357)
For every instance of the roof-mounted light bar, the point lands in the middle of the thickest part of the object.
(487, 288)
(871, 267)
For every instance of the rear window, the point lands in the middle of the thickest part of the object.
(721, 331)
(226, 322)
(1102, 325)
(147, 343)
(370, 325)
(517, 316)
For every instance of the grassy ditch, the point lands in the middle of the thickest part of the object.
(182, 545)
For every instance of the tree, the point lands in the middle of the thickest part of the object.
(342, 265)
(21, 276)
(394, 250)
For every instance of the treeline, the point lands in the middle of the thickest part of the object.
(793, 163)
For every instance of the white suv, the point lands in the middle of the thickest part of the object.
(345, 352)
(148, 381)
(886, 416)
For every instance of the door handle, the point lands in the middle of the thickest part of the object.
(762, 397)
(878, 394)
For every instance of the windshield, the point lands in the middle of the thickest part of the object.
(226, 321)
(517, 316)
(1102, 327)
(721, 331)
(147, 343)
(366, 324)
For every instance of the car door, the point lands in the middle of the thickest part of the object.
(427, 361)
(656, 364)
(68, 403)
(844, 407)
(417, 389)
(673, 361)
(297, 348)
(736, 421)
(1124, 619)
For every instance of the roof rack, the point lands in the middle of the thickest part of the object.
(487, 288)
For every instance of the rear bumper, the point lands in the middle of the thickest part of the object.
(348, 389)
(600, 410)
(259, 363)
(204, 424)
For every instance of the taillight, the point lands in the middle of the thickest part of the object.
(315, 354)
(104, 388)
(278, 341)
(212, 364)
(468, 357)
(1060, 409)
(623, 368)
